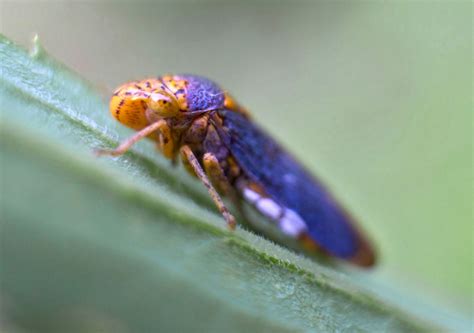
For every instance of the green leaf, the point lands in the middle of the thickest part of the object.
(133, 245)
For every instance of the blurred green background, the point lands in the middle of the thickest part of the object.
(376, 98)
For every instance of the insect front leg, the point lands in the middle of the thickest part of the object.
(191, 160)
(128, 143)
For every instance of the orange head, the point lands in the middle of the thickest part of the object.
(136, 104)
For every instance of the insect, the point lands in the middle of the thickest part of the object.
(191, 117)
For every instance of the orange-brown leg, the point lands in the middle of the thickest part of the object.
(187, 154)
(187, 165)
(215, 173)
(128, 143)
(218, 178)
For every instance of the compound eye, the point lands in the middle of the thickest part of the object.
(163, 104)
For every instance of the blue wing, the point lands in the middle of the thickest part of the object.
(288, 183)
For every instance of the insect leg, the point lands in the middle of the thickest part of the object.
(128, 143)
(187, 165)
(215, 173)
(187, 154)
(218, 178)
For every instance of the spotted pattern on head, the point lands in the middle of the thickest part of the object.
(133, 103)
(166, 94)
(128, 104)
(178, 87)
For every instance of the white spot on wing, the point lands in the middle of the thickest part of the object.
(251, 196)
(269, 208)
(291, 223)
